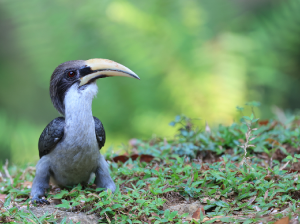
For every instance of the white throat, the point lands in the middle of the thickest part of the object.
(78, 111)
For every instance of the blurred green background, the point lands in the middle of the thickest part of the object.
(198, 58)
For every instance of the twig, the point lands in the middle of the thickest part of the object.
(272, 151)
(28, 169)
(207, 128)
(281, 168)
(246, 145)
(6, 172)
(107, 218)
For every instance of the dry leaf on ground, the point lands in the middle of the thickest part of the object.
(284, 220)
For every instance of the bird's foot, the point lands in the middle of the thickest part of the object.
(37, 200)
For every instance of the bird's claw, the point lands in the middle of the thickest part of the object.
(39, 201)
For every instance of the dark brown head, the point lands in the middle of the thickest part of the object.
(82, 73)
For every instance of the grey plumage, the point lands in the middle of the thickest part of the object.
(76, 155)
(69, 145)
(54, 132)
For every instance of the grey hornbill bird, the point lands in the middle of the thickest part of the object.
(69, 145)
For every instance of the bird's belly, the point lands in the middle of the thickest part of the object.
(75, 165)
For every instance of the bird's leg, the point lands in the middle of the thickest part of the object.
(103, 179)
(41, 181)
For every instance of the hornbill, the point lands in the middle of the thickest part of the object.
(69, 145)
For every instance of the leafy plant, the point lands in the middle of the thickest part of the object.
(209, 172)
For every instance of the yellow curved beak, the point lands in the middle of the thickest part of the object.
(100, 68)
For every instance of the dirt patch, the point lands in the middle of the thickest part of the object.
(182, 208)
(75, 217)
(173, 197)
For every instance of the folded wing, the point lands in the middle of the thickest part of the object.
(100, 133)
(51, 135)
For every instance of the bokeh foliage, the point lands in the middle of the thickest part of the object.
(200, 58)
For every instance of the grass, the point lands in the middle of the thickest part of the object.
(237, 178)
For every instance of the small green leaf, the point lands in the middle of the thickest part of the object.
(65, 204)
(173, 214)
(168, 189)
(247, 118)
(222, 204)
(253, 104)
(167, 213)
(61, 194)
(7, 201)
(240, 109)
(172, 123)
(115, 206)
(177, 118)
(252, 117)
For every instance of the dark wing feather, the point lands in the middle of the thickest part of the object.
(100, 133)
(51, 135)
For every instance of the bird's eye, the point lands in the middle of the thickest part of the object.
(71, 74)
